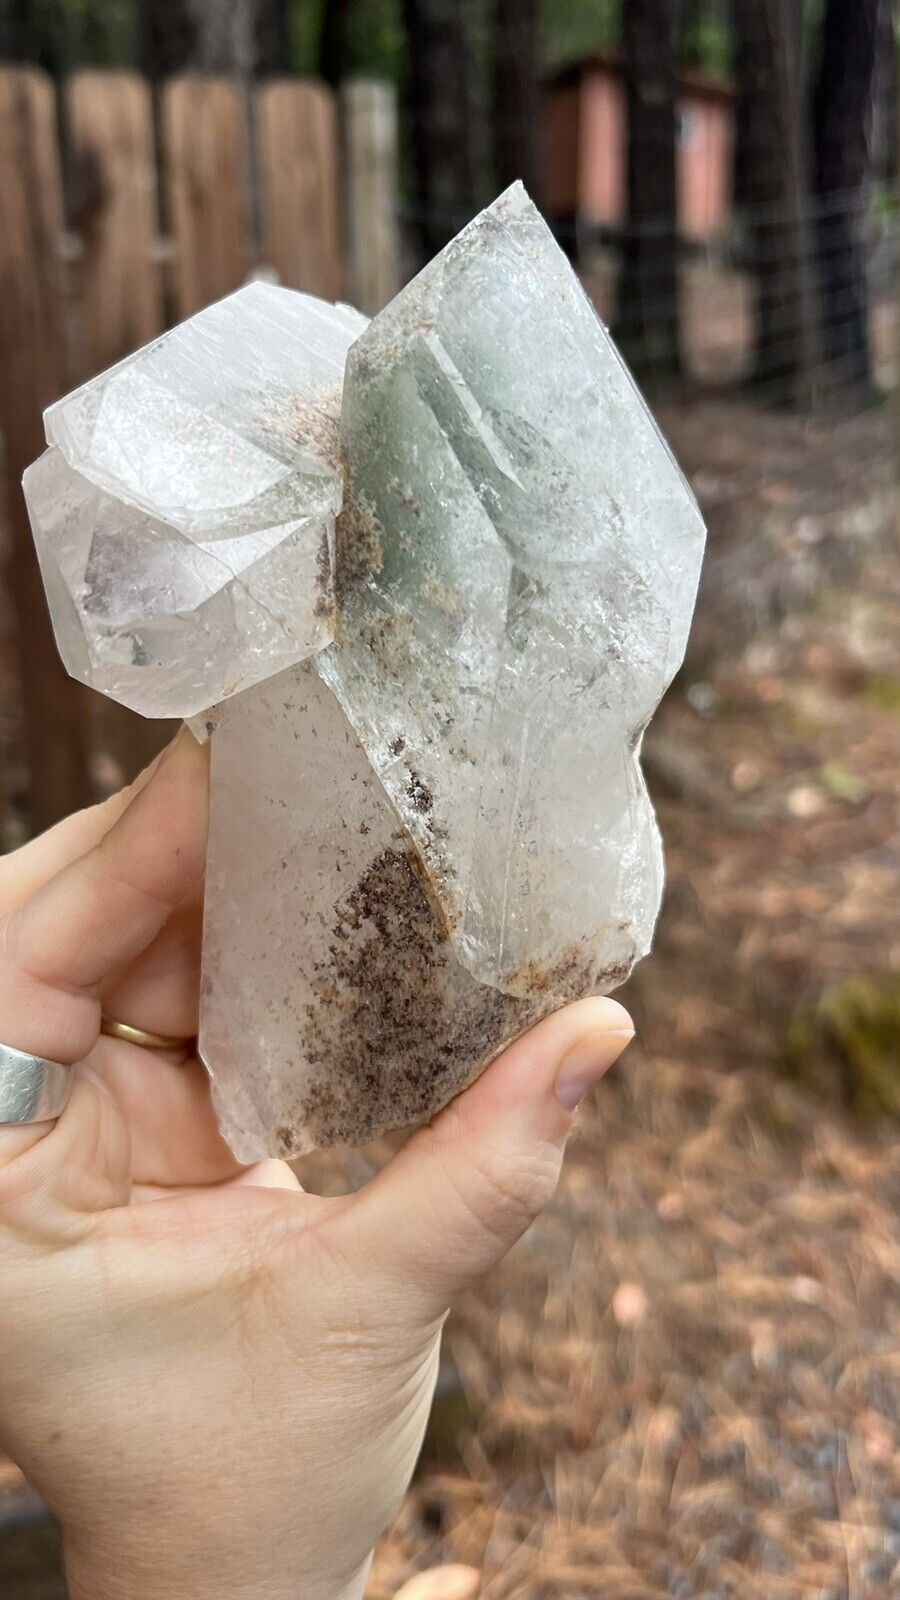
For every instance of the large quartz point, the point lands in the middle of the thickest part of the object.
(436, 830)
(184, 512)
(538, 557)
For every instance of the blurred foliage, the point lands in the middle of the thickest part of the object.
(374, 36)
(839, 781)
(707, 40)
(882, 690)
(103, 33)
(304, 33)
(59, 34)
(885, 201)
(62, 33)
(65, 33)
(575, 28)
(850, 1039)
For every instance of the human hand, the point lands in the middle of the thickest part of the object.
(218, 1383)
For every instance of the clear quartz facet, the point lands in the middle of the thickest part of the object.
(184, 511)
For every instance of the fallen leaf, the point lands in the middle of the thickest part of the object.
(629, 1305)
(442, 1583)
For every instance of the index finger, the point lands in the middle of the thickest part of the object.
(33, 864)
(101, 911)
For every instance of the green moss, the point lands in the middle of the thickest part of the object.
(882, 691)
(849, 1040)
(450, 1423)
(843, 784)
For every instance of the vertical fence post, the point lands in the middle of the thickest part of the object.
(206, 155)
(112, 190)
(113, 205)
(369, 111)
(296, 126)
(32, 363)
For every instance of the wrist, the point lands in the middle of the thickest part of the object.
(100, 1572)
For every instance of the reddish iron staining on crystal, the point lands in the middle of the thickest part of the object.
(388, 1039)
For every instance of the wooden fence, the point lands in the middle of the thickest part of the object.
(121, 212)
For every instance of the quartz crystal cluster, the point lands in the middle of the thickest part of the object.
(429, 825)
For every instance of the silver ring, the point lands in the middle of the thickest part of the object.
(32, 1089)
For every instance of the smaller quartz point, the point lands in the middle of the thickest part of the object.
(184, 511)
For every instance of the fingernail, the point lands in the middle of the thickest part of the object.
(182, 740)
(586, 1062)
(184, 747)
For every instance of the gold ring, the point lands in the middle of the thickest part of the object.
(148, 1041)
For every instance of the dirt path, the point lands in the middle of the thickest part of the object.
(685, 1383)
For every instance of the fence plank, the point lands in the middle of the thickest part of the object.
(369, 110)
(205, 141)
(112, 204)
(32, 366)
(298, 167)
(113, 207)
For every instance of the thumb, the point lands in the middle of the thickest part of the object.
(465, 1188)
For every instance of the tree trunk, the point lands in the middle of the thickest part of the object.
(271, 33)
(334, 41)
(17, 31)
(440, 110)
(775, 192)
(240, 36)
(648, 303)
(517, 93)
(885, 162)
(168, 37)
(842, 109)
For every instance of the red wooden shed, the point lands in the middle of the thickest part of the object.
(584, 148)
